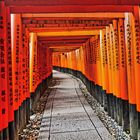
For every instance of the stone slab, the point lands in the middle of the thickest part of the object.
(73, 125)
(82, 135)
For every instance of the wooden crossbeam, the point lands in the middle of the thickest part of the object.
(70, 33)
(83, 16)
(63, 37)
(70, 2)
(71, 9)
(60, 29)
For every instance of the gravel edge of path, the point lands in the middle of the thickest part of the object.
(31, 130)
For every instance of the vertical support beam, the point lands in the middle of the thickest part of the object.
(109, 91)
(33, 68)
(26, 59)
(24, 88)
(9, 76)
(131, 74)
(117, 73)
(16, 67)
(113, 56)
(21, 75)
(3, 74)
(106, 54)
(136, 37)
(2, 46)
(123, 76)
(105, 47)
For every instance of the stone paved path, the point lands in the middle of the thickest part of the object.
(68, 116)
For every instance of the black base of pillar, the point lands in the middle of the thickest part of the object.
(115, 108)
(138, 125)
(93, 89)
(133, 115)
(125, 116)
(11, 131)
(104, 100)
(27, 110)
(31, 102)
(109, 110)
(5, 134)
(96, 93)
(16, 123)
(1, 135)
(119, 111)
(24, 112)
(99, 92)
(21, 118)
(101, 98)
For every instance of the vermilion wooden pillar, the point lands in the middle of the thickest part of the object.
(25, 74)
(104, 60)
(4, 92)
(136, 36)
(33, 62)
(9, 76)
(1, 46)
(91, 58)
(129, 29)
(82, 60)
(116, 48)
(123, 76)
(9, 56)
(35, 88)
(136, 40)
(17, 71)
(113, 52)
(105, 67)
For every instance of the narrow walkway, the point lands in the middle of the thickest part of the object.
(67, 114)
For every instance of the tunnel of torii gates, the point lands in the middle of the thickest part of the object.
(95, 40)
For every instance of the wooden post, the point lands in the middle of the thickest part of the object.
(131, 74)
(4, 92)
(123, 76)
